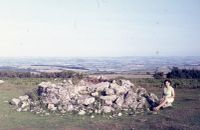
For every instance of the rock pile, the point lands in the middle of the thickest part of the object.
(85, 97)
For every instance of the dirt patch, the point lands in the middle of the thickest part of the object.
(73, 128)
(22, 128)
(106, 126)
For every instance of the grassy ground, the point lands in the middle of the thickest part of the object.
(185, 113)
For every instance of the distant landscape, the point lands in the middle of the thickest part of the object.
(22, 75)
(106, 65)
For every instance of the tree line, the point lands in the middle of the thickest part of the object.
(63, 74)
(179, 73)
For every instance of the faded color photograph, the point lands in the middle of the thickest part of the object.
(99, 65)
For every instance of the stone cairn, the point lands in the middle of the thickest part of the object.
(85, 97)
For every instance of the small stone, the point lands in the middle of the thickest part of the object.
(120, 114)
(92, 116)
(89, 101)
(60, 108)
(19, 109)
(108, 102)
(107, 109)
(90, 111)
(62, 111)
(24, 98)
(25, 109)
(47, 114)
(120, 101)
(95, 94)
(50, 106)
(54, 109)
(81, 112)
(64, 81)
(109, 91)
(37, 112)
(1, 81)
(15, 101)
(70, 108)
(125, 109)
(110, 98)
(24, 104)
(70, 81)
(97, 111)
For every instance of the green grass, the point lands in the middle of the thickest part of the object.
(10, 118)
(184, 114)
(177, 83)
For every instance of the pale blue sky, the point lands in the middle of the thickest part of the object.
(99, 28)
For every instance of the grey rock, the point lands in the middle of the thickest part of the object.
(52, 107)
(1, 81)
(24, 98)
(120, 101)
(25, 104)
(109, 98)
(95, 94)
(101, 86)
(107, 109)
(118, 89)
(19, 109)
(81, 112)
(89, 101)
(119, 114)
(15, 101)
(109, 91)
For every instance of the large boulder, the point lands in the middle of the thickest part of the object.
(120, 101)
(118, 89)
(109, 91)
(101, 86)
(109, 97)
(86, 100)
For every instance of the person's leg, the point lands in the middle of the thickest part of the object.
(161, 100)
(162, 103)
(169, 102)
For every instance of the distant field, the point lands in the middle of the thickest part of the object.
(148, 80)
(184, 115)
(128, 76)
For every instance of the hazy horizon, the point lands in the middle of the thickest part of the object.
(99, 28)
(96, 64)
(153, 56)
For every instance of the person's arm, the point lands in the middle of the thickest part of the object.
(173, 93)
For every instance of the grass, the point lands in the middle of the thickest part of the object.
(184, 115)
(177, 83)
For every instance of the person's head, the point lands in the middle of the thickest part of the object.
(167, 82)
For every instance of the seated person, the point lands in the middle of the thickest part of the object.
(168, 96)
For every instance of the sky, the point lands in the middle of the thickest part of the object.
(99, 28)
